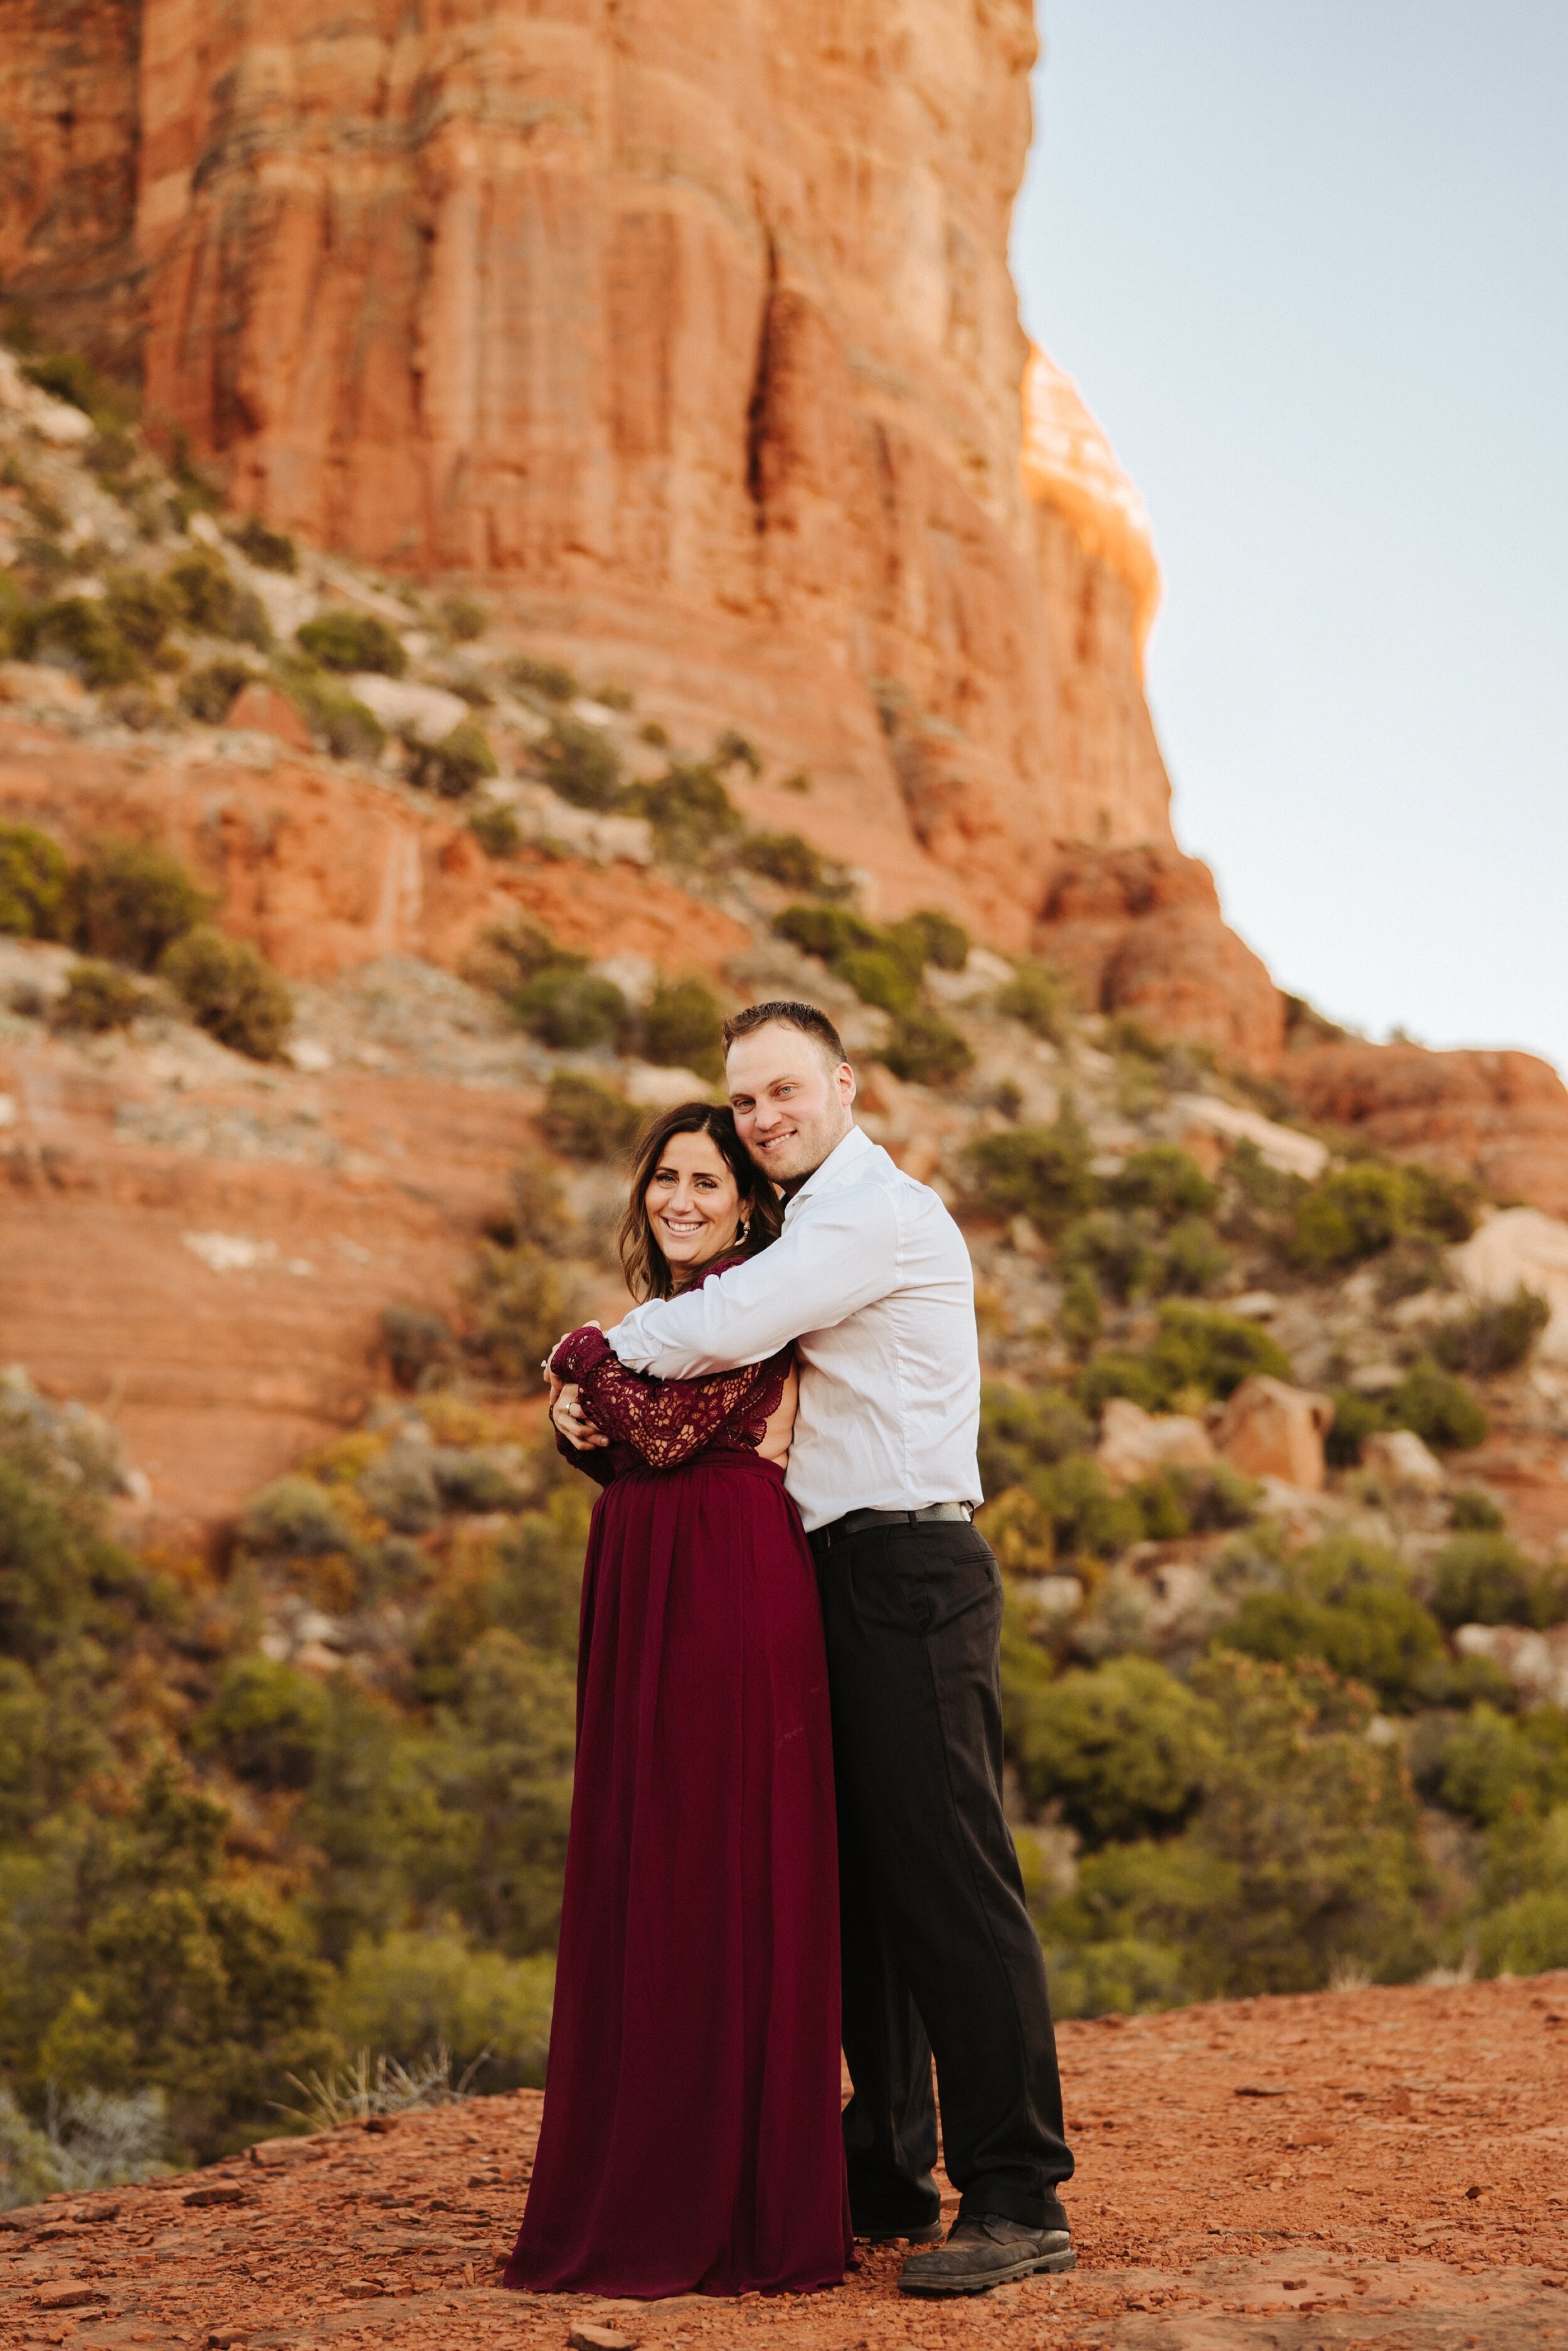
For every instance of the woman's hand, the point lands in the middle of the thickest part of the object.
(567, 1417)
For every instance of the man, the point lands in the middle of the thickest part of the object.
(872, 1278)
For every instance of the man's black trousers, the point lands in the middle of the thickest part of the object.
(939, 1954)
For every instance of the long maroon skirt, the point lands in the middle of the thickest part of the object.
(691, 2138)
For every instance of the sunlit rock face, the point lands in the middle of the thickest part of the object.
(690, 328)
(698, 326)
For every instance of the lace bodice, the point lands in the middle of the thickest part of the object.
(659, 1424)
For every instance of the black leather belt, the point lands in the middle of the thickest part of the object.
(855, 1522)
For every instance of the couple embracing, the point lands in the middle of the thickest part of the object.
(788, 1737)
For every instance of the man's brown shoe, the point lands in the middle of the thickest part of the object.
(982, 2253)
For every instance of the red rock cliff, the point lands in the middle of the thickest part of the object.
(696, 324)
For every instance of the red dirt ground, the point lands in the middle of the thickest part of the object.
(1382, 2170)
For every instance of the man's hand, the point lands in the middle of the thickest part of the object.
(568, 1416)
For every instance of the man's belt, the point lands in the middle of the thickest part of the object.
(855, 1522)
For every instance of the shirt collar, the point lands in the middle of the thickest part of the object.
(836, 1168)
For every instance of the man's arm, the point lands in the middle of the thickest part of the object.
(821, 1270)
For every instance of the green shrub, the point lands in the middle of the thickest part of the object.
(411, 1993)
(1122, 1751)
(1526, 1937)
(582, 765)
(693, 816)
(131, 901)
(1351, 1215)
(461, 759)
(208, 599)
(1193, 1260)
(231, 991)
(1166, 1181)
(787, 859)
(71, 376)
(681, 1025)
(464, 619)
(1200, 1352)
(878, 978)
(1349, 1606)
(1485, 1579)
(79, 634)
(1036, 995)
(294, 1518)
(33, 880)
(519, 1301)
(503, 1780)
(270, 550)
(1040, 1172)
(1079, 1317)
(1355, 1419)
(924, 1049)
(343, 640)
(1438, 1407)
(942, 943)
(1301, 1855)
(1492, 1767)
(569, 1008)
(1492, 1338)
(1124, 1976)
(266, 1722)
(734, 750)
(99, 997)
(497, 831)
(1354, 1213)
(347, 727)
(1021, 1432)
(1087, 1518)
(209, 692)
(1473, 1511)
(552, 680)
(587, 1121)
(1119, 1253)
(552, 992)
(417, 1342)
(1447, 1207)
(884, 967)
(141, 608)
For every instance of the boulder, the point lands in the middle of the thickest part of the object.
(1271, 1430)
(427, 711)
(1399, 1457)
(1135, 1444)
(259, 709)
(1520, 1247)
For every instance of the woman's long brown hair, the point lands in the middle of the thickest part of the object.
(647, 1270)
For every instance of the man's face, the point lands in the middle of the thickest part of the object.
(791, 1104)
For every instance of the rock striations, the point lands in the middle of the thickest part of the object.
(699, 333)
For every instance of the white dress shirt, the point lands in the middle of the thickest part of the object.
(872, 1278)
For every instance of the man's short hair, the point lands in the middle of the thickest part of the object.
(785, 1013)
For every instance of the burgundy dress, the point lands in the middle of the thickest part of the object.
(691, 2138)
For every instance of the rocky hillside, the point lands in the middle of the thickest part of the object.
(345, 937)
(369, 784)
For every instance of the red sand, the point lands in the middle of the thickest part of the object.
(1376, 2168)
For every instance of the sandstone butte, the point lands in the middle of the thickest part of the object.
(1371, 2170)
(691, 330)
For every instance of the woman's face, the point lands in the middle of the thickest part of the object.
(693, 1201)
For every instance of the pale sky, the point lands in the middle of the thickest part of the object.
(1308, 263)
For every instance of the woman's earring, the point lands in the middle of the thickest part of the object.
(741, 1231)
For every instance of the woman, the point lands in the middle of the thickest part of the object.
(691, 2137)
